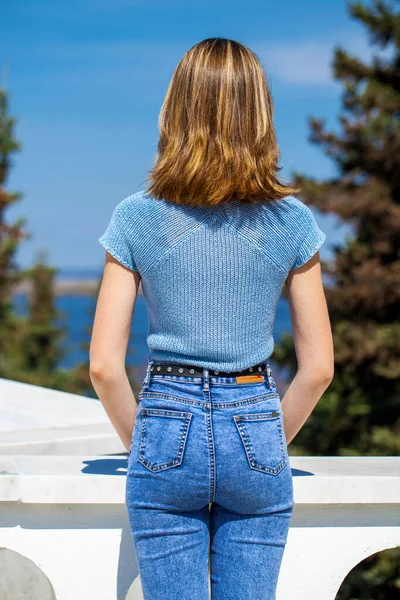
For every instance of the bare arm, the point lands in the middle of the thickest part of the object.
(109, 342)
(313, 342)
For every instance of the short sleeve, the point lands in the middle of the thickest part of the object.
(312, 238)
(117, 239)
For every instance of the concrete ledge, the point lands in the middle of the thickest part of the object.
(39, 420)
(100, 479)
(65, 517)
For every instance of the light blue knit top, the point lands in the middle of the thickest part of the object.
(211, 277)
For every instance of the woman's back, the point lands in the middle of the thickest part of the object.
(211, 276)
(212, 239)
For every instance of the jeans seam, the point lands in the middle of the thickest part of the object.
(161, 396)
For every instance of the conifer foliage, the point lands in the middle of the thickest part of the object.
(11, 234)
(359, 413)
(30, 349)
(32, 345)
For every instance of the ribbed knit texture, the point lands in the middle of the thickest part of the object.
(211, 277)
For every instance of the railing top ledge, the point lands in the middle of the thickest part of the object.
(101, 479)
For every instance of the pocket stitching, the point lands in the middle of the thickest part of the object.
(247, 445)
(183, 434)
(265, 416)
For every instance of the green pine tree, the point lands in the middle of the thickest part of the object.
(11, 234)
(36, 347)
(30, 344)
(359, 413)
(31, 347)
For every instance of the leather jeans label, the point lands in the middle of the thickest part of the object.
(249, 378)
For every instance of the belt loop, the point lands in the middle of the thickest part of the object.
(206, 383)
(146, 380)
(269, 376)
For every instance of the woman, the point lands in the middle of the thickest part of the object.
(212, 240)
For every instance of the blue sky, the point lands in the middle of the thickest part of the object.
(86, 81)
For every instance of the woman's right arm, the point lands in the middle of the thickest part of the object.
(313, 342)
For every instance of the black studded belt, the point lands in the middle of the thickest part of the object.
(196, 371)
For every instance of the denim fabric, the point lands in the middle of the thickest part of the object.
(208, 488)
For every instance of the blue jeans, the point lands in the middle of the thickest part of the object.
(209, 488)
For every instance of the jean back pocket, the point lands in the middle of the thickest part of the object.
(163, 438)
(263, 440)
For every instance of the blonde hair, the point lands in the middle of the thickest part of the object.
(217, 140)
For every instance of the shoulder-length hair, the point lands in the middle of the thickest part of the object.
(217, 140)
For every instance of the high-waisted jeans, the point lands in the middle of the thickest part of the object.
(209, 488)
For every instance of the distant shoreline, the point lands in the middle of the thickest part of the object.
(74, 287)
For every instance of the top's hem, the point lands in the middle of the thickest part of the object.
(225, 367)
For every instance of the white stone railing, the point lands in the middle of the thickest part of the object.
(64, 531)
(39, 420)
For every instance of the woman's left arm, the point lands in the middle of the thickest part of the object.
(109, 343)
